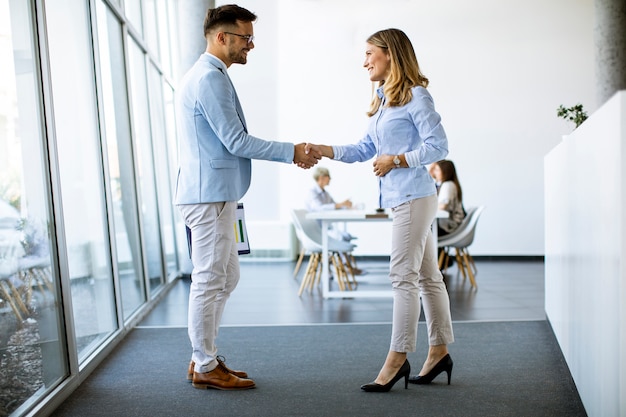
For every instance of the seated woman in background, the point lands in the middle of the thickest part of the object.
(450, 196)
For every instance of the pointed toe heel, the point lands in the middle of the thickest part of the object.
(404, 371)
(444, 365)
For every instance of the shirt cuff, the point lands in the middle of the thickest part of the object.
(337, 152)
(412, 160)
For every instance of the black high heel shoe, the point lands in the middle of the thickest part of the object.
(404, 371)
(445, 364)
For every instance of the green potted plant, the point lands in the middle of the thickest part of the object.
(574, 114)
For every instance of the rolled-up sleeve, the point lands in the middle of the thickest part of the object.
(434, 146)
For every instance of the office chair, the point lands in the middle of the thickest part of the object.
(460, 239)
(10, 284)
(309, 233)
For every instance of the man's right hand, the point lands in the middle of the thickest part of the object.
(305, 158)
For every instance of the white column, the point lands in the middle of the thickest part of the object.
(610, 40)
(191, 15)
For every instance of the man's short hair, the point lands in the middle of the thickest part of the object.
(226, 15)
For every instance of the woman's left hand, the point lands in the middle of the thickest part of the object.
(383, 164)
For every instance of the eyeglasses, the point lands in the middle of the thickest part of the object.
(248, 38)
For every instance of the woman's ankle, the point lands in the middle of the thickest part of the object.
(395, 359)
(437, 351)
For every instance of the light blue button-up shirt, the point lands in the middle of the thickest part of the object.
(414, 130)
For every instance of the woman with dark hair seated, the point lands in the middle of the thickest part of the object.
(449, 196)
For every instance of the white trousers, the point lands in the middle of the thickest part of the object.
(215, 275)
(414, 272)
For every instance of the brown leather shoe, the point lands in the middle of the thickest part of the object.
(220, 378)
(220, 360)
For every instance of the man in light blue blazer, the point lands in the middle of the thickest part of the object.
(215, 152)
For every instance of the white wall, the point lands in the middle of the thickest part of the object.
(585, 246)
(498, 71)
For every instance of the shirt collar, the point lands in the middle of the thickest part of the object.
(216, 61)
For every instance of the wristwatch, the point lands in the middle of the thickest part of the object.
(396, 161)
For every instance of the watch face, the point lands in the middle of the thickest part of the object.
(396, 160)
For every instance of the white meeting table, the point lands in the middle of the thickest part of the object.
(343, 216)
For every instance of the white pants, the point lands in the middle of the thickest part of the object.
(215, 275)
(413, 272)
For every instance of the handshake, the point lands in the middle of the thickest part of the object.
(306, 155)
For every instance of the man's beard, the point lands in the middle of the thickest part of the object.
(238, 57)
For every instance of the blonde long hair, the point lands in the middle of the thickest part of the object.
(404, 72)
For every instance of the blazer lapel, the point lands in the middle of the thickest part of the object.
(237, 103)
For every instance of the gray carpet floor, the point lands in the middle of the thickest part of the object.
(500, 369)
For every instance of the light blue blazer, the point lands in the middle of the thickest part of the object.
(215, 149)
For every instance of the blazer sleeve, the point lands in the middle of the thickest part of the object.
(217, 104)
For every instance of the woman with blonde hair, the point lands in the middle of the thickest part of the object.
(404, 136)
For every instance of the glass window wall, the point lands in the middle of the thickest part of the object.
(81, 174)
(151, 33)
(165, 19)
(84, 211)
(121, 167)
(133, 13)
(33, 358)
(145, 174)
(161, 96)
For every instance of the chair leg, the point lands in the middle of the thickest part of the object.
(26, 279)
(35, 276)
(309, 273)
(472, 261)
(18, 297)
(44, 275)
(12, 303)
(444, 260)
(459, 262)
(305, 278)
(346, 271)
(469, 268)
(442, 255)
(298, 263)
(352, 260)
(340, 283)
(341, 269)
(317, 272)
(350, 269)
